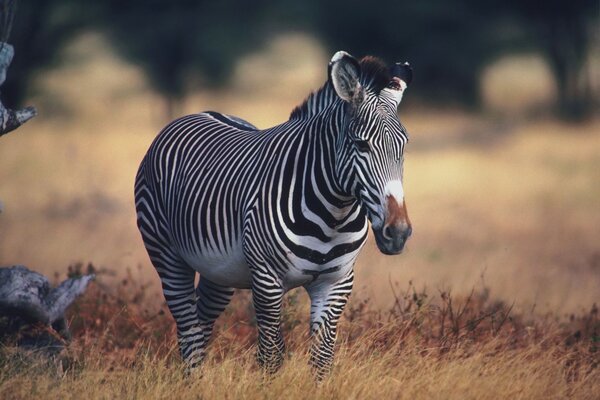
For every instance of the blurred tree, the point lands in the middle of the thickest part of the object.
(39, 30)
(183, 40)
(564, 31)
(172, 41)
(448, 43)
(7, 16)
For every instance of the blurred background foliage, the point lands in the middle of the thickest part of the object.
(184, 44)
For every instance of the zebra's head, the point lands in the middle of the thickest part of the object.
(371, 143)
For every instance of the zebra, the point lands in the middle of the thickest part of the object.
(275, 209)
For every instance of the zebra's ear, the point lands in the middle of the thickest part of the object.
(344, 72)
(402, 71)
(401, 78)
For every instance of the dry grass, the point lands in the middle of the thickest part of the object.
(529, 374)
(422, 347)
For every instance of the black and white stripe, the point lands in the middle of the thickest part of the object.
(273, 209)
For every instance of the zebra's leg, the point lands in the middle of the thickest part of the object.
(177, 281)
(176, 277)
(327, 304)
(211, 300)
(267, 295)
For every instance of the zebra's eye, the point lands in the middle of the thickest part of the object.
(362, 145)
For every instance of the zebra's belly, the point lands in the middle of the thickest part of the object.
(227, 268)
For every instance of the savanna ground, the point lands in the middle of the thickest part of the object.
(494, 296)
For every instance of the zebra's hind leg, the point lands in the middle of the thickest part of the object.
(327, 304)
(176, 277)
(211, 299)
(267, 295)
(178, 288)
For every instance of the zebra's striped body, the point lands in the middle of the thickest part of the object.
(268, 210)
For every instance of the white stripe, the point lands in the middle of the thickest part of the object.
(394, 188)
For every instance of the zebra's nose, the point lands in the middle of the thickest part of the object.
(388, 232)
(391, 232)
(391, 238)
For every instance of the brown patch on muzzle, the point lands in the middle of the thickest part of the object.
(396, 213)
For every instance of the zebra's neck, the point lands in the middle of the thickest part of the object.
(321, 135)
(316, 103)
(323, 114)
(320, 118)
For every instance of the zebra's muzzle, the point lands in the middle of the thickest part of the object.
(392, 235)
(391, 239)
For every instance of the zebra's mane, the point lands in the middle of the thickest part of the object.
(375, 76)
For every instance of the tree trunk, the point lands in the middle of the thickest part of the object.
(172, 106)
(10, 119)
(567, 53)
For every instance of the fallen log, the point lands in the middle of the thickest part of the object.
(27, 300)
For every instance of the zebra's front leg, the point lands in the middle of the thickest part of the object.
(327, 304)
(267, 295)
